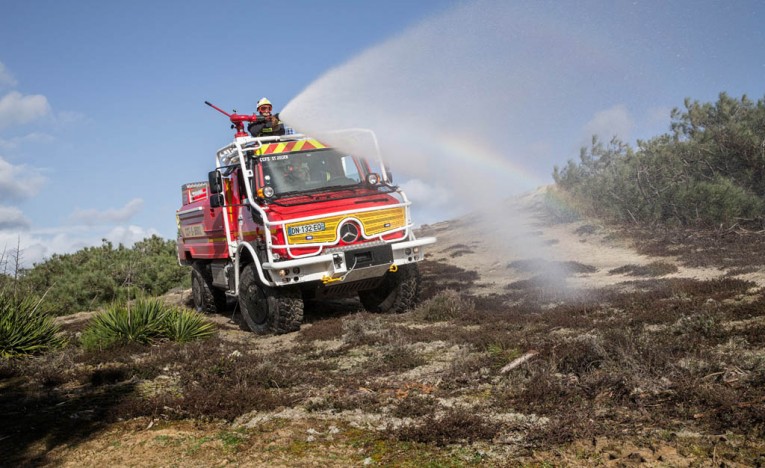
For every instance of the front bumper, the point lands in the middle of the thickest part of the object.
(334, 267)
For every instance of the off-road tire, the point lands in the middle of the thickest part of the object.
(398, 292)
(268, 310)
(207, 298)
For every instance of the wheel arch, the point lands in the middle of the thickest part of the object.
(245, 255)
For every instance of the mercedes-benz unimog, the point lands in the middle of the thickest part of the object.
(283, 219)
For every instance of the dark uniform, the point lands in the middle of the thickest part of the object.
(266, 128)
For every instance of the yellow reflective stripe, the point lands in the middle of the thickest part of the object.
(373, 223)
(377, 222)
(276, 148)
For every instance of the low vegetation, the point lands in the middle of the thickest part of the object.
(662, 358)
(25, 327)
(708, 171)
(144, 322)
(97, 276)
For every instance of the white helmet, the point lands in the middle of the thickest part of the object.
(264, 102)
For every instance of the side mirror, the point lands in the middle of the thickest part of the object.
(216, 200)
(215, 182)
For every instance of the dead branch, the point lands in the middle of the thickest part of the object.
(517, 362)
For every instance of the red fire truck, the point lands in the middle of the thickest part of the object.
(286, 218)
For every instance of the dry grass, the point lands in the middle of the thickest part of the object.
(669, 355)
(651, 269)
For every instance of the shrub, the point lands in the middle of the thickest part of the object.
(456, 425)
(446, 305)
(718, 201)
(708, 171)
(96, 276)
(184, 325)
(651, 269)
(362, 329)
(144, 322)
(25, 328)
(398, 356)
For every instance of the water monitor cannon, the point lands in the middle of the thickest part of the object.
(238, 120)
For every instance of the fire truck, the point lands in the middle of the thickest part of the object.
(285, 219)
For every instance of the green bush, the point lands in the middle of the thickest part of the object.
(97, 276)
(718, 201)
(25, 328)
(144, 322)
(710, 170)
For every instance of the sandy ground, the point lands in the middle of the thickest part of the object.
(489, 243)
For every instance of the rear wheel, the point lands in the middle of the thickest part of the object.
(398, 292)
(268, 310)
(207, 298)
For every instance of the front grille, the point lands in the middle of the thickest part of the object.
(373, 223)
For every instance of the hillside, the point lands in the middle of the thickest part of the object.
(539, 342)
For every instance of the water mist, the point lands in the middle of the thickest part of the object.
(464, 106)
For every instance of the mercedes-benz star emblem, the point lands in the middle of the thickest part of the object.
(349, 233)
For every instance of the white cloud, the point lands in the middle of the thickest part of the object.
(19, 182)
(608, 123)
(30, 138)
(38, 245)
(92, 217)
(11, 218)
(6, 79)
(129, 235)
(16, 108)
(65, 118)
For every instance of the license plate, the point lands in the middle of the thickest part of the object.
(305, 229)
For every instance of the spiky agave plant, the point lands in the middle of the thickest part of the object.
(142, 322)
(184, 325)
(25, 328)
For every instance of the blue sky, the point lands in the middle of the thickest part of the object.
(101, 103)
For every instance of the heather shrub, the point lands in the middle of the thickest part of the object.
(446, 305)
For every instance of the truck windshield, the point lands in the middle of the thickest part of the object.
(310, 171)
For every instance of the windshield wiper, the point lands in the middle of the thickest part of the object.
(291, 193)
(335, 187)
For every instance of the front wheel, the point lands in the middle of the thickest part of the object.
(398, 292)
(269, 310)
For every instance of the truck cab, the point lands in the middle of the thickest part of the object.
(287, 218)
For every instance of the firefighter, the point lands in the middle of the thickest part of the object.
(268, 124)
